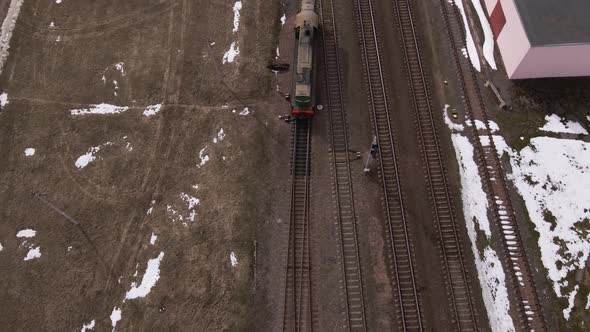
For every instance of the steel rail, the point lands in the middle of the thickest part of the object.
(457, 281)
(297, 314)
(343, 189)
(524, 297)
(409, 309)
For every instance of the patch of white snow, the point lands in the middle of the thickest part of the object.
(192, 202)
(245, 111)
(151, 208)
(553, 177)
(28, 233)
(7, 29)
(151, 276)
(100, 109)
(567, 311)
(233, 259)
(482, 126)
(115, 317)
(556, 125)
(449, 122)
(29, 152)
(120, 68)
(153, 239)
(88, 157)
(220, 136)
(152, 110)
(231, 54)
(89, 326)
(490, 272)
(33, 253)
(204, 157)
(3, 99)
(471, 50)
(236, 9)
(488, 44)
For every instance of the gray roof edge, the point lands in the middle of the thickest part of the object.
(524, 26)
(561, 44)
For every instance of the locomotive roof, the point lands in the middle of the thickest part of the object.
(554, 22)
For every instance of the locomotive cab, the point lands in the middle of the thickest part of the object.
(303, 102)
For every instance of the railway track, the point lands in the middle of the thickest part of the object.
(525, 303)
(456, 276)
(409, 310)
(298, 301)
(343, 190)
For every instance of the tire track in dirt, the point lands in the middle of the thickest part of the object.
(97, 29)
(167, 138)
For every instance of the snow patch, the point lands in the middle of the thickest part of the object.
(236, 9)
(192, 202)
(89, 326)
(283, 19)
(480, 125)
(150, 277)
(245, 111)
(1, 247)
(553, 177)
(29, 152)
(28, 233)
(471, 50)
(33, 253)
(490, 272)
(120, 68)
(231, 54)
(204, 157)
(153, 239)
(151, 208)
(567, 311)
(488, 44)
(233, 259)
(152, 110)
(90, 155)
(449, 122)
(115, 317)
(7, 29)
(3, 99)
(557, 125)
(100, 109)
(220, 136)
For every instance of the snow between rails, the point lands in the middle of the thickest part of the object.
(489, 269)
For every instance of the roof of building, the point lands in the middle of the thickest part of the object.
(554, 22)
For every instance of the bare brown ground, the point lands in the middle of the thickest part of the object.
(151, 162)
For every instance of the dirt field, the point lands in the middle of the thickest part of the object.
(172, 185)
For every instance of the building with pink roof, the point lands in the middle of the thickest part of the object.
(542, 38)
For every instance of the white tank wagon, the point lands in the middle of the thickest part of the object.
(306, 28)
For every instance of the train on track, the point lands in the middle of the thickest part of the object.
(303, 100)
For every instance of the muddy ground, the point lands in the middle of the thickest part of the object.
(149, 170)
